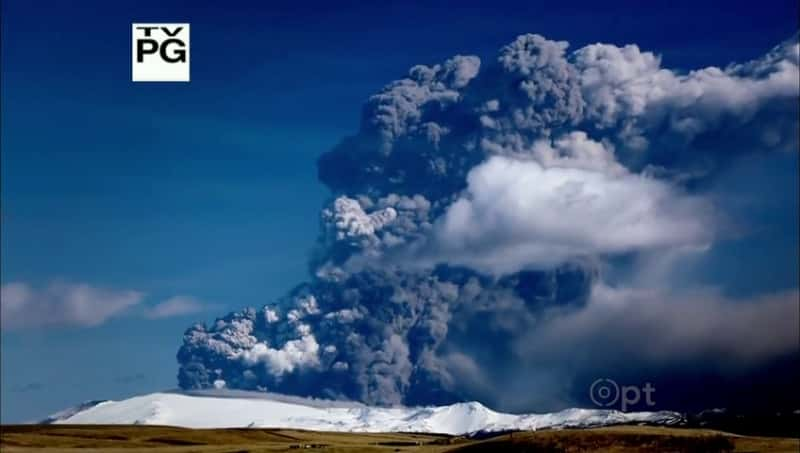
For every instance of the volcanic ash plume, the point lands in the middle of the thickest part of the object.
(479, 201)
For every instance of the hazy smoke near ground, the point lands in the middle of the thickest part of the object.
(477, 206)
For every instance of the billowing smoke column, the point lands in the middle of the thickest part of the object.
(478, 201)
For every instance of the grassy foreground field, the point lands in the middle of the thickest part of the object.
(71, 438)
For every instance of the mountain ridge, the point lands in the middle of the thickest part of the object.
(239, 409)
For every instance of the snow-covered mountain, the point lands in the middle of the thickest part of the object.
(229, 409)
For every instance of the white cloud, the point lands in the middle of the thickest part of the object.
(350, 220)
(576, 150)
(176, 306)
(517, 213)
(300, 352)
(676, 327)
(627, 88)
(62, 304)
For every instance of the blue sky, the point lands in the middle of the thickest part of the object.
(209, 189)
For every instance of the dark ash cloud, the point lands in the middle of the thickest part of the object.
(472, 217)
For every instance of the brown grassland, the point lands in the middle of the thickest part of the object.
(160, 439)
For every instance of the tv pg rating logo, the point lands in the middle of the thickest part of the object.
(160, 52)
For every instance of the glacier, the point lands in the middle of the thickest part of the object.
(241, 409)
